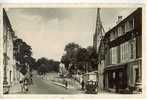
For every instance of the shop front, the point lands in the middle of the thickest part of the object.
(116, 78)
(122, 78)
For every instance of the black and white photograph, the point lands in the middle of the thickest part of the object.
(72, 51)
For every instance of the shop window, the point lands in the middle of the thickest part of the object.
(137, 74)
(111, 80)
(120, 74)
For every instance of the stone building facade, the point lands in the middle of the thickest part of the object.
(9, 66)
(122, 54)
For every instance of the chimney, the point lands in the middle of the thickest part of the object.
(119, 19)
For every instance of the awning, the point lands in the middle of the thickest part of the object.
(115, 67)
(120, 65)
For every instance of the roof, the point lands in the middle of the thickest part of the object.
(137, 11)
(5, 18)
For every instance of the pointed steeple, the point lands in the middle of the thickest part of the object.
(99, 32)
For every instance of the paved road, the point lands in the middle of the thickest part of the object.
(41, 86)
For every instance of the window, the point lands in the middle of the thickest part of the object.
(124, 52)
(119, 31)
(133, 48)
(123, 28)
(113, 55)
(129, 25)
(113, 35)
(128, 50)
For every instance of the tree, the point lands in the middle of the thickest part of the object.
(93, 58)
(70, 58)
(42, 69)
(83, 59)
(22, 54)
(32, 63)
(71, 47)
(45, 66)
(56, 66)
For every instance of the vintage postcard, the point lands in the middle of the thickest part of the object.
(72, 50)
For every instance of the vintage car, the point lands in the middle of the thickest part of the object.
(91, 87)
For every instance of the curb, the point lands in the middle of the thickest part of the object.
(59, 84)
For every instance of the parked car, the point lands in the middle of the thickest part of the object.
(91, 87)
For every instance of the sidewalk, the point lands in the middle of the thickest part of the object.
(15, 89)
(105, 92)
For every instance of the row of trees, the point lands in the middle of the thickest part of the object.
(43, 65)
(78, 59)
(25, 62)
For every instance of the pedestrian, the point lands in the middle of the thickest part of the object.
(31, 81)
(82, 84)
(21, 79)
(21, 84)
(26, 80)
(66, 84)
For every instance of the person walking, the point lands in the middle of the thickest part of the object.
(26, 80)
(66, 84)
(82, 85)
(21, 80)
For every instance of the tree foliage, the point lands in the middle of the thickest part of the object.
(78, 58)
(43, 65)
(23, 55)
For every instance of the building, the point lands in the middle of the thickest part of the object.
(99, 31)
(122, 54)
(98, 44)
(8, 58)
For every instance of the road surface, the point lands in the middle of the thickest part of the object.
(42, 86)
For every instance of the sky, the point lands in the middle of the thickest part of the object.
(48, 30)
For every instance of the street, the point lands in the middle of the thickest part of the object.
(72, 51)
(41, 86)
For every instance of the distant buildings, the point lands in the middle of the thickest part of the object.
(120, 55)
(8, 60)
